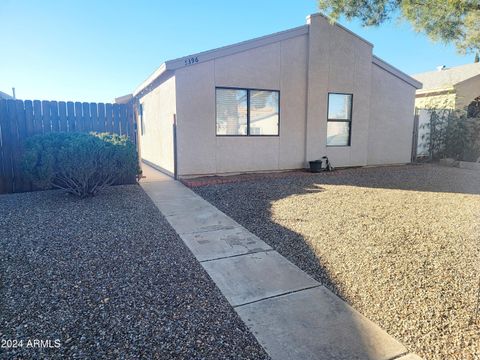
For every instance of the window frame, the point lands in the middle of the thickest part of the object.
(248, 111)
(341, 120)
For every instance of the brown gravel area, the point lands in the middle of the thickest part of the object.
(401, 244)
(108, 278)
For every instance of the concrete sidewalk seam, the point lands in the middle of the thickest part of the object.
(278, 295)
(207, 230)
(399, 356)
(237, 255)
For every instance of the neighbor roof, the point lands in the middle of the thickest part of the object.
(449, 77)
(5, 96)
(174, 64)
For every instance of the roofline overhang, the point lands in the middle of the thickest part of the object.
(156, 74)
(395, 72)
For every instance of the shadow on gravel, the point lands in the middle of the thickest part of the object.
(254, 214)
(421, 177)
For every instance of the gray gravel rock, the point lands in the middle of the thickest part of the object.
(109, 278)
(401, 244)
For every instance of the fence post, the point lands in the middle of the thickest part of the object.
(415, 137)
(175, 158)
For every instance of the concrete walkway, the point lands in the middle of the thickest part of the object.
(291, 315)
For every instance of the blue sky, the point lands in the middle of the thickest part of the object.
(87, 50)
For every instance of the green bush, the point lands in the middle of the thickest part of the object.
(81, 164)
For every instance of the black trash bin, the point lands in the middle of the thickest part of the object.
(316, 166)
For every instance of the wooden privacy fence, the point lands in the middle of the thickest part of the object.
(21, 119)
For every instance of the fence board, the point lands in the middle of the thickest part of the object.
(78, 117)
(116, 118)
(47, 125)
(101, 117)
(87, 120)
(109, 117)
(5, 182)
(30, 128)
(70, 116)
(37, 117)
(129, 123)
(94, 116)
(29, 125)
(62, 116)
(7, 146)
(54, 116)
(123, 122)
(22, 119)
(21, 183)
(13, 142)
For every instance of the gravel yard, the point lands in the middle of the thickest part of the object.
(109, 278)
(401, 244)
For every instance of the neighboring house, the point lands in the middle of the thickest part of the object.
(446, 88)
(275, 103)
(125, 99)
(5, 96)
(449, 88)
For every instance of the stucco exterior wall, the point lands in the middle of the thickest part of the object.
(391, 119)
(440, 101)
(339, 62)
(467, 91)
(278, 66)
(156, 143)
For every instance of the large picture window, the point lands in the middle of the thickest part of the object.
(247, 112)
(339, 122)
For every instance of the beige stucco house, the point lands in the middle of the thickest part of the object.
(449, 88)
(275, 103)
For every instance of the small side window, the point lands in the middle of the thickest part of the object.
(339, 119)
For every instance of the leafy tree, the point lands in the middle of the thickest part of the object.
(456, 21)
